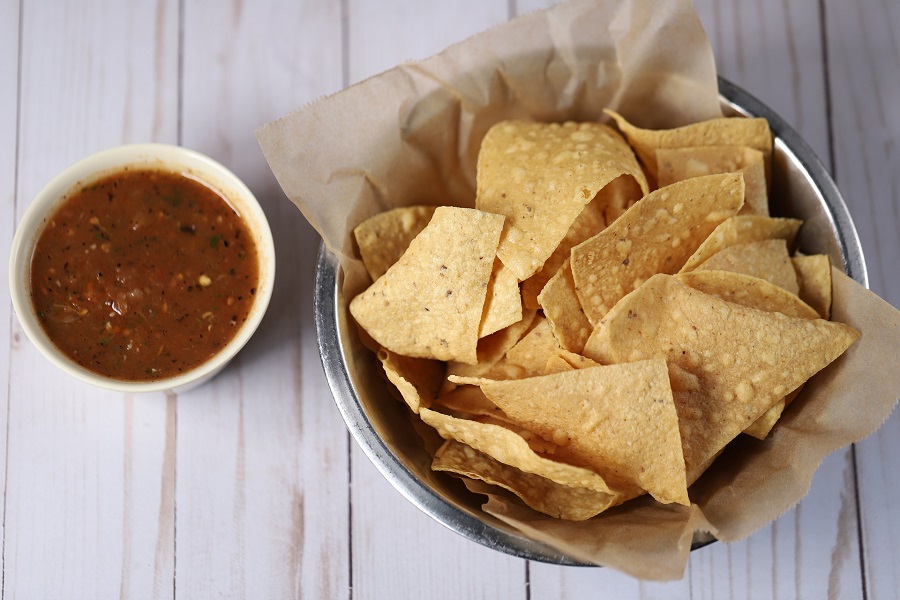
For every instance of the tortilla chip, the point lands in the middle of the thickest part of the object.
(437, 289)
(678, 164)
(417, 379)
(492, 349)
(509, 448)
(532, 351)
(562, 308)
(734, 362)
(762, 427)
(732, 131)
(384, 238)
(618, 420)
(748, 291)
(467, 402)
(656, 235)
(767, 260)
(564, 360)
(615, 198)
(540, 493)
(540, 177)
(814, 279)
(503, 304)
(743, 229)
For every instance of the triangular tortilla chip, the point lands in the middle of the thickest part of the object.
(614, 198)
(678, 164)
(384, 238)
(743, 229)
(503, 304)
(532, 351)
(619, 420)
(417, 379)
(768, 259)
(540, 493)
(437, 289)
(562, 308)
(509, 448)
(733, 362)
(656, 235)
(540, 176)
(731, 131)
(747, 290)
(814, 279)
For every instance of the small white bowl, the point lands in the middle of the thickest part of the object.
(147, 156)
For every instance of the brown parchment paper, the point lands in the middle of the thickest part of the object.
(411, 136)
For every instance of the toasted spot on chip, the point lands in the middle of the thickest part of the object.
(417, 379)
(503, 304)
(563, 310)
(436, 290)
(743, 229)
(511, 449)
(639, 244)
(768, 353)
(540, 493)
(540, 176)
(384, 238)
(748, 291)
(731, 131)
(814, 279)
(678, 164)
(619, 420)
(768, 259)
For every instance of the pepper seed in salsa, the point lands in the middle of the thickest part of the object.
(144, 275)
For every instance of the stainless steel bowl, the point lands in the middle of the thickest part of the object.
(801, 187)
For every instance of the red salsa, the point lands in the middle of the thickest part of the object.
(144, 275)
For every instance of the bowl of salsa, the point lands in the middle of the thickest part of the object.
(142, 268)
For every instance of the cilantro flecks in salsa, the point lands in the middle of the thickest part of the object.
(143, 275)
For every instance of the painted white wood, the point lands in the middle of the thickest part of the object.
(863, 61)
(86, 501)
(262, 490)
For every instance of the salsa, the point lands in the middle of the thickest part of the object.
(144, 275)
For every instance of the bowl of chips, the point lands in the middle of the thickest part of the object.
(464, 413)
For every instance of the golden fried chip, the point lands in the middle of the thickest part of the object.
(540, 176)
(532, 351)
(540, 493)
(492, 349)
(436, 290)
(735, 131)
(733, 362)
(814, 279)
(417, 379)
(767, 260)
(761, 427)
(677, 164)
(743, 229)
(618, 420)
(748, 291)
(384, 238)
(656, 235)
(503, 304)
(564, 360)
(562, 308)
(615, 198)
(510, 449)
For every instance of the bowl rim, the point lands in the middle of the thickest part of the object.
(167, 157)
(331, 349)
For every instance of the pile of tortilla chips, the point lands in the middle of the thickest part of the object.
(616, 309)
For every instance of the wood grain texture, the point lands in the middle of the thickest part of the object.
(85, 490)
(262, 454)
(863, 59)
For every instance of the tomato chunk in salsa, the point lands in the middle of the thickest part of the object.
(144, 275)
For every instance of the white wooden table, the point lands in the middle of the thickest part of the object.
(250, 487)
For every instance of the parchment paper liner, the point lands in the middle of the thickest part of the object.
(411, 136)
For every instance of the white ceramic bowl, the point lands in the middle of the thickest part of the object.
(149, 156)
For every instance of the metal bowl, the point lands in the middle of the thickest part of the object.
(801, 187)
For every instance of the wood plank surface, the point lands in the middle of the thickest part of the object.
(250, 487)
